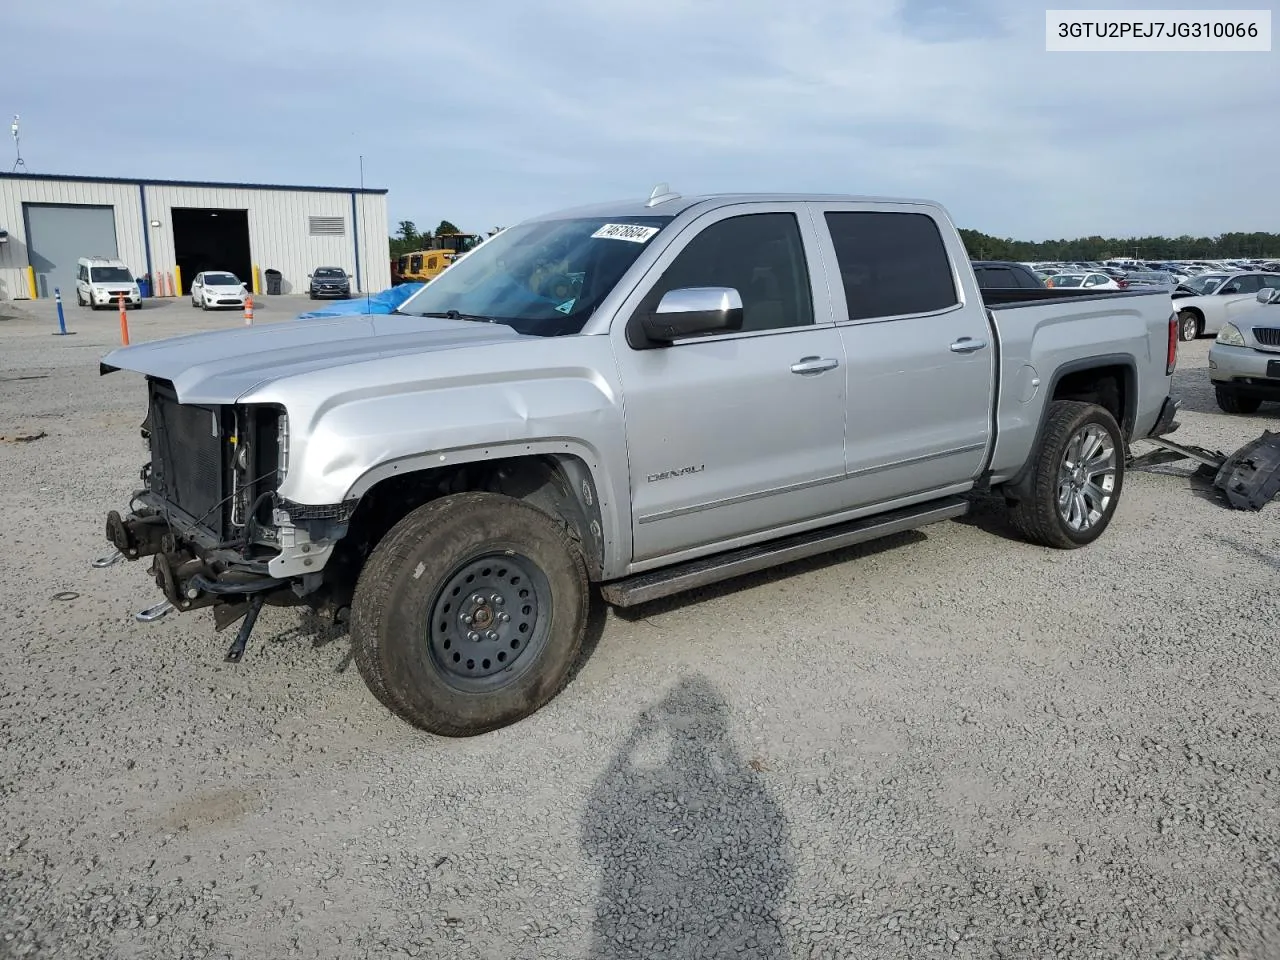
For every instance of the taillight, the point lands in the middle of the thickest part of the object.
(1122, 284)
(1172, 360)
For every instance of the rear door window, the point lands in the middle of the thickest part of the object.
(891, 264)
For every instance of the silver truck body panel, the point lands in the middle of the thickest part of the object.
(703, 445)
(1040, 338)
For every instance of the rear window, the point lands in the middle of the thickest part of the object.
(995, 278)
(891, 264)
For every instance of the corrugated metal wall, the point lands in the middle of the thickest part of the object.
(124, 198)
(279, 227)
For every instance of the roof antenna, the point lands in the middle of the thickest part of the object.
(17, 145)
(661, 194)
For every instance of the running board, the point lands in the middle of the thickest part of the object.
(655, 584)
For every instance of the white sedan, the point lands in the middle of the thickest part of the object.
(1088, 280)
(1207, 302)
(212, 289)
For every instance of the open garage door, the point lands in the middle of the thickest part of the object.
(58, 235)
(211, 239)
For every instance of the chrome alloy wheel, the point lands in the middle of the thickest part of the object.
(1086, 477)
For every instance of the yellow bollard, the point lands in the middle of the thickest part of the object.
(177, 281)
(257, 280)
(31, 282)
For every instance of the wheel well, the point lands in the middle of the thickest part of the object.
(560, 486)
(1107, 386)
(1110, 385)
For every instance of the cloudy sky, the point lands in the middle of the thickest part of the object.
(486, 112)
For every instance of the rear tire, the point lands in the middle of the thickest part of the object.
(411, 638)
(1190, 326)
(1077, 477)
(1229, 401)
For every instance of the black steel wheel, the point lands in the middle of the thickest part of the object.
(488, 621)
(470, 613)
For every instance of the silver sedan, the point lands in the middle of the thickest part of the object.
(1244, 361)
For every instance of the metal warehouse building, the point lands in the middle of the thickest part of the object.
(167, 231)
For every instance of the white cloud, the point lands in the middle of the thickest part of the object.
(484, 113)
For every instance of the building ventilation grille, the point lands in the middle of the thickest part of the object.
(327, 226)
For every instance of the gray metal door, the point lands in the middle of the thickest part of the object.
(58, 235)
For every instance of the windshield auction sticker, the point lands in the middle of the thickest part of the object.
(625, 231)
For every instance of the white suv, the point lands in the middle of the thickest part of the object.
(101, 280)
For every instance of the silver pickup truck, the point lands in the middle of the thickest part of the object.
(640, 397)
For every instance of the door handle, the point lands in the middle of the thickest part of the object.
(808, 365)
(967, 345)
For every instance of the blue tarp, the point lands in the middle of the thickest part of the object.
(383, 302)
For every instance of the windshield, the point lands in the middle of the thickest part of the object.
(220, 280)
(1205, 285)
(110, 275)
(543, 278)
(331, 273)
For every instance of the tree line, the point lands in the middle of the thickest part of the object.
(981, 246)
(407, 238)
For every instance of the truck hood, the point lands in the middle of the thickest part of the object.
(223, 365)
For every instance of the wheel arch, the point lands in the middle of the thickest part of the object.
(1110, 380)
(561, 479)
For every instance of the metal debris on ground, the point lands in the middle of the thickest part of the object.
(20, 434)
(1248, 479)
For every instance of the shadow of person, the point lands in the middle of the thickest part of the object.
(691, 848)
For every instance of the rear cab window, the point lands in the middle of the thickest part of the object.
(891, 263)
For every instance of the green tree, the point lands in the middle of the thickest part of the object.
(446, 227)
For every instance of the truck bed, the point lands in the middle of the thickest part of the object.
(999, 299)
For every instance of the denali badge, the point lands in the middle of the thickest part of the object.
(667, 474)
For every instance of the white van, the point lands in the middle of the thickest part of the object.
(101, 280)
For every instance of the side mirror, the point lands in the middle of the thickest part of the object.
(690, 311)
(308, 276)
(1268, 295)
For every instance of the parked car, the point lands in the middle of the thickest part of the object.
(1244, 361)
(461, 472)
(329, 282)
(1150, 278)
(101, 281)
(215, 289)
(1087, 281)
(1206, 302)
(1004, 275)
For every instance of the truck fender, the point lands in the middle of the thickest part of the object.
(1019, 485)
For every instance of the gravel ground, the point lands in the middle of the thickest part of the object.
(945, 744)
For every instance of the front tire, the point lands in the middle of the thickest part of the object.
(1190, 326)
(1229, 401)
(1077, 477)
(470, 613)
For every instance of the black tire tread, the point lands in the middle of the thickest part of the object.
(1229, 401)
(375, 584)
(1036, 517)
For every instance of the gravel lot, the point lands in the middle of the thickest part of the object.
(946, 744)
